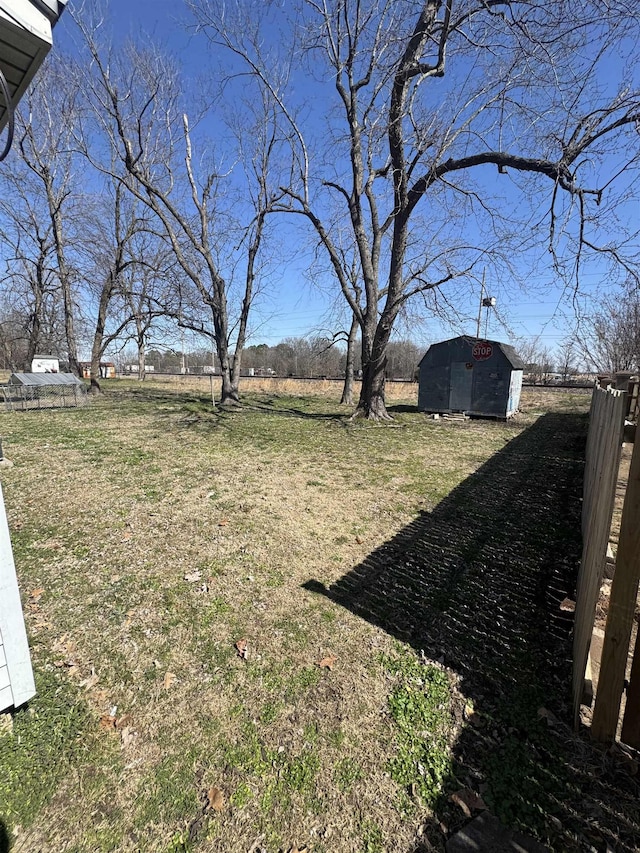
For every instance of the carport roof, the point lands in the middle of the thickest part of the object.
(44, 379)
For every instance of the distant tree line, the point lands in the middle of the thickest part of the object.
(306, 358)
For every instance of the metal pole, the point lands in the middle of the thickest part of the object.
(213, 399)
(480, 306)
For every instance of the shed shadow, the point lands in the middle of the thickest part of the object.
(479, 581)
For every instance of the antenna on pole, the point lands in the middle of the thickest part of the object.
(485, 302)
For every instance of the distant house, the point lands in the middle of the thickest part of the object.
(107, 370)
(475, 377)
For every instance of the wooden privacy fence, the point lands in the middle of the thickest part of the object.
(602, 461)
(604, 443)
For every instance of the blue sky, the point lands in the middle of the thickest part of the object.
(294, 307)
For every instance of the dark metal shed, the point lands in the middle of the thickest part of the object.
(476, 377)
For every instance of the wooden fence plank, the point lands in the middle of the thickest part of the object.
(622, 604)
(604, 445)
(631, 722)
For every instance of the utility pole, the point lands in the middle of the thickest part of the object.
(485, 302)
(480, 305)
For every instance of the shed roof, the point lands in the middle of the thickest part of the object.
(44, 379)
(507, 350)
(516, 362)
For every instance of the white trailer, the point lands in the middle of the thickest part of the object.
(45, 364)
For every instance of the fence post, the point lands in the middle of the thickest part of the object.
(622, 605)
(631, 721)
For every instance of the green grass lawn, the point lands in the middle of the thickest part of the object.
(161, 534)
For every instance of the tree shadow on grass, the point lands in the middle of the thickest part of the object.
(479, 580)
(272, 407)
(5, 846)
(403, 408)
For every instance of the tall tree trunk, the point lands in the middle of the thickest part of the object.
(65, 279)
(142, 358)
(371, 404)
(97, 347)
(36, 323)
(347, 389)
(229, 395)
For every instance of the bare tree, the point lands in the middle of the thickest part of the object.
(488, 121)
(610, 339)
(567, 359)
(150, 291)
(110, 234)
(135, 96)
(538, 362)
(29, 287)
(43, 133)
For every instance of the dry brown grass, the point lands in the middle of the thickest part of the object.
(327, 388)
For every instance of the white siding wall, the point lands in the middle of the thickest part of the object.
(16, 676)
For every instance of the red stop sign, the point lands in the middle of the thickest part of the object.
(482, 350)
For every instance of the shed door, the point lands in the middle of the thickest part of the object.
(461, 379)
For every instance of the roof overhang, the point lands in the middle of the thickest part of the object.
(25, 39)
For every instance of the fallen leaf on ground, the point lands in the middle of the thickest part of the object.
(192, 577)
(6, 724)
(567, 605)
(241, 648)
(327, 662)
(468, 800)
(472, 716)
(545, 714)
(107, 721)
(169, 679)
(359, 540)
(123, 721)
(89, 682)
(36, 594)
(223, 522)
(128, 737)
(296, 849)
(215, 799)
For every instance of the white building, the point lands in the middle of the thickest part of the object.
(45, 364)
